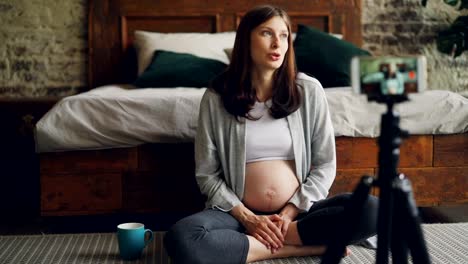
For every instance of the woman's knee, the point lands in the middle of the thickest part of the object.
(174, 239)
(180, 239)
(371, 209)
(369, 216)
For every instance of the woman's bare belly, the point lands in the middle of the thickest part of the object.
(269, 184)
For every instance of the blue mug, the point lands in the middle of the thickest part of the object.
(132, 240)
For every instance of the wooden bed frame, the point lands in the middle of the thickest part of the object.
(159, 178)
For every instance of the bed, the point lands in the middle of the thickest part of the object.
(122, 149)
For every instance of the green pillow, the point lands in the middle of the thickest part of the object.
(325, 57)
(171, 69)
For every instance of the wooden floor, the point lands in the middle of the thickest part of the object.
(105, 223)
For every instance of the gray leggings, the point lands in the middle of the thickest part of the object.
(213, 236)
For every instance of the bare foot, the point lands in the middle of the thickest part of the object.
(347, 252)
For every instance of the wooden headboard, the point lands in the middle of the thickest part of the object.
(112, 58)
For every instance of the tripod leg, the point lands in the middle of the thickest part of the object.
(409, 225)
(335, 251)
(399, 246)
(384, 225)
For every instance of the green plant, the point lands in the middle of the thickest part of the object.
(462, 3)
(454, 40)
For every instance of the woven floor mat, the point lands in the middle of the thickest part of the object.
(447, 243)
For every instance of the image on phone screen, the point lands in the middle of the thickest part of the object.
(377, 76)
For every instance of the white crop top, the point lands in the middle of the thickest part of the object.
(267, 138)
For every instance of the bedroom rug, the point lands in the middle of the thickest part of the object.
(447, 243)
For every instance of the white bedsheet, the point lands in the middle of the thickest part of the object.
(120, 116)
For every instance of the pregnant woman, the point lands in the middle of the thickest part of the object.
(265, 158)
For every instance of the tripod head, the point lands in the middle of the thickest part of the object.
(390, 100)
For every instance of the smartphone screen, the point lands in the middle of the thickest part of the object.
(381, 76)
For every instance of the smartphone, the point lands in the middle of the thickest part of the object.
(388, 75)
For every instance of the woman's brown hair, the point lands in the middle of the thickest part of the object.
(235, 84)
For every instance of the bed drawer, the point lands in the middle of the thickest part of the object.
(347, 179)
(161, 192)
(118, 159)
(451, 150)
(169, 157)
(438, 186)
(353, 153)
(75, 194)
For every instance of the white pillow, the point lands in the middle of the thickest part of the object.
(206, 45)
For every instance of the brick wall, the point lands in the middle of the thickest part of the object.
(43, 47)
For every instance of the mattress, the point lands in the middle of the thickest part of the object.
(116, 116)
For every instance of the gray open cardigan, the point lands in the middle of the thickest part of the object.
(220, 149)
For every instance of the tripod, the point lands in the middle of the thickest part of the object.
(398, 225)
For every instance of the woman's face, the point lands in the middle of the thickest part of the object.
(269, 44)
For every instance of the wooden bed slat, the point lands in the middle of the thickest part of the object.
(118, 159)
(416, 151)
(450, 150)
(99, 192)
(439, 186)
(347, 179)
(352, 153)
(167, 157)
(169, 192)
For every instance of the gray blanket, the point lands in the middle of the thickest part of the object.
(122, 116)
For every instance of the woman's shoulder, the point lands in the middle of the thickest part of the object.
(211, 96)
(212, 93)
(308, 83)
(212, 102)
